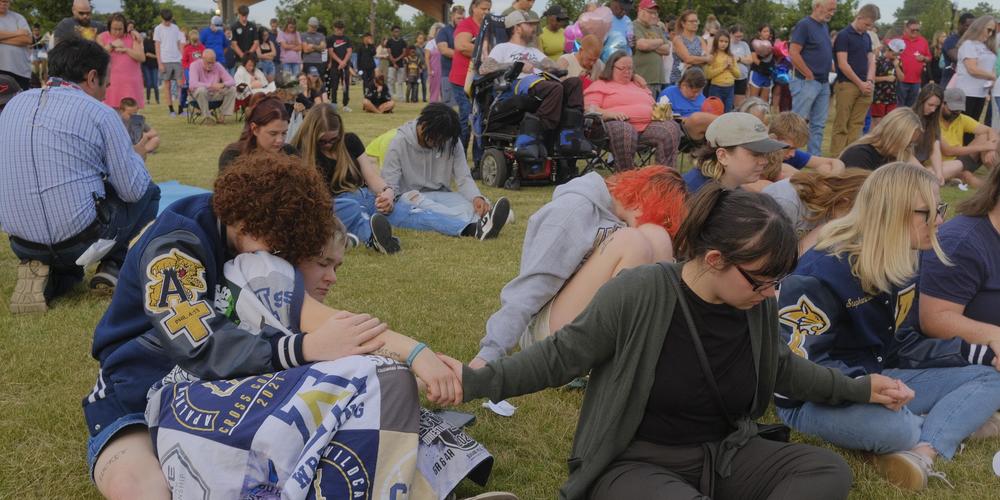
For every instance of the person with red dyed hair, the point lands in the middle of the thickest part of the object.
(266, 130)
(591, 230)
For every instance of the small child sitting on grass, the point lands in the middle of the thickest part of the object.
(135, 124)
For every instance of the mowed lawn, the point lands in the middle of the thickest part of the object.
(438, 289)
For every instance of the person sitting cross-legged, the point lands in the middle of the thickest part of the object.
(423, 160)
(72, 184)
(560, 105)
(209, 81)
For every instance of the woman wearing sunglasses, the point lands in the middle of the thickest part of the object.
(653, 423)
(847, 307)
(363, 200)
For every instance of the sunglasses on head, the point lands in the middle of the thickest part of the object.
(757, 286)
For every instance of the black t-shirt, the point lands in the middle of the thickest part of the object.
(366, 57)
(149, 47)
(864, 156)
(339, 44)
(328, 166)
(377, 96)
(396, 49)
(244, 36)
(232, 152)
(682, 409)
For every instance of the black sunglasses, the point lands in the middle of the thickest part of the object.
(940, 211)
(757, 286)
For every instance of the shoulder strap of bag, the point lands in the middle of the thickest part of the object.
(706, 368)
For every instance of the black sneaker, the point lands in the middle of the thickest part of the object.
(491, 223)
(106, 278)
(382, 238)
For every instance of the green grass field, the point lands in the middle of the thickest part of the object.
(438, 289)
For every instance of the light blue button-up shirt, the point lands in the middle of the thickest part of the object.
(57, 148)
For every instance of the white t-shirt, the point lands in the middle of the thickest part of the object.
(431, 46)
(511, 53)
(170, 39)
(985, 59)
(16, 60)
(738, 50)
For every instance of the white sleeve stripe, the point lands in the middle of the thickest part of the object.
(283, 352)
(291, 351)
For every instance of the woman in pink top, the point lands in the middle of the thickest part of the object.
(126, 56)
(627, 108)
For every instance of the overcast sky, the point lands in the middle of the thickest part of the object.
(264, 11)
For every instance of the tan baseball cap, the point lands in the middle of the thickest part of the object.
(741, 129)
(517, 17)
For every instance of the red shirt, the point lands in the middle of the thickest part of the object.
(912, 68)
(191, 54)
(459, 62)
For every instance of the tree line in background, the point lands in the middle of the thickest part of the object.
(935, 15)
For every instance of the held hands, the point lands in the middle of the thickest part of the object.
(345, 334)
(384, 201)
(437, 378)
(889, 392)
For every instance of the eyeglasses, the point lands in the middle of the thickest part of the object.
(940, 211)
(757, 286)
(327, 143)
(627, 69)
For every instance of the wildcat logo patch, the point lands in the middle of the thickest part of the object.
(804, 318)
(176, 280)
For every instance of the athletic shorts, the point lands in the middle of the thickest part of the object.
(740, 87)
(538, 328)
(879, 109)
(969, 163)
(760, 81)
(171, 71)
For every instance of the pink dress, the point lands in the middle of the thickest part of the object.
(125, 73)
(434, 63)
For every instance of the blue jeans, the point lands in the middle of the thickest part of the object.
(293, 68)
(954, 403)
(464, 113)
(725, 94)
(906, 93)
(266, 67)
(355, 209)
(123, 222)
(811, 100)
(446, 91)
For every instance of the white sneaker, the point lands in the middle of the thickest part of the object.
(346, 109)
(908, 470)
(991, 428)
(962, 186)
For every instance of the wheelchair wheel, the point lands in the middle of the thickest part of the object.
(494, 168)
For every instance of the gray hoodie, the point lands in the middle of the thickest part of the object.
(409, 166)
(560, 237)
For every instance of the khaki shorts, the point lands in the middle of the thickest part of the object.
(538, 328)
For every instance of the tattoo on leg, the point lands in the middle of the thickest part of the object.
(114, 458)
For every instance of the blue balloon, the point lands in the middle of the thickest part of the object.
(615, 42)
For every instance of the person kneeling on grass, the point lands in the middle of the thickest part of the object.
(138, 130)
(423, 160)
(164, 312)
(649, 427)
(593, 229)
(847, 307)
(362, 198)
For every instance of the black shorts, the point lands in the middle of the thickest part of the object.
(740, 88)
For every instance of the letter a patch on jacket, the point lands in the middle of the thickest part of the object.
(804, 318)
(174, 287)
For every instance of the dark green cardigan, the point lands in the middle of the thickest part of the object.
(618, 339)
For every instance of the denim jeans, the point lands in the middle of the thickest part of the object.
(446, 91)
(124, 221)
(811, 100)
(355, 209)
(725, 94)
(266, 67)
(954, 403)
(906, 93)
(464, 115)
(449, 203)
(292, 68)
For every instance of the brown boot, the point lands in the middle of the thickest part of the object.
(29, 292)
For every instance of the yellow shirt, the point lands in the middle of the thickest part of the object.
(380, 145)
(952, 134)
(552, 43)
(718, 74)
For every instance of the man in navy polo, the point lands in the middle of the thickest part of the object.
(811, 53)
(855, 78)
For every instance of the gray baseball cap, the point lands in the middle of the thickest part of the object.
(216, 20)
(954, 98)
(313, 21)
(517, 17)
(741, 129)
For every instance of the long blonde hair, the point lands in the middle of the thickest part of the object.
(893, 136)
(320, 119)
(875, 235)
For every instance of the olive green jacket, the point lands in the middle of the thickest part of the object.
(618, 339)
